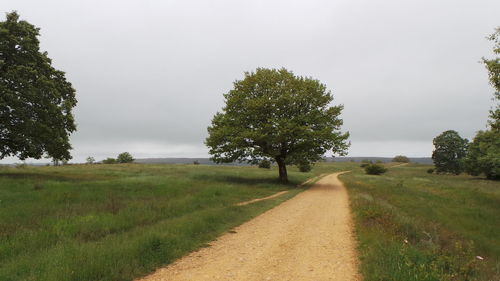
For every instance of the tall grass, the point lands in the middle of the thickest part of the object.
(412, 225)
(119, 222)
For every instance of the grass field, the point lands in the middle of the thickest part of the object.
(417, 226)
(117, 222)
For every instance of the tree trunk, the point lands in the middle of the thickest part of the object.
(282, 170)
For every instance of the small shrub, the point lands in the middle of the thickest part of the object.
(401, 159)
(90, 160)
(375, 169)
(305, 167)
(265, 164)
(430, 171)
(195, 162)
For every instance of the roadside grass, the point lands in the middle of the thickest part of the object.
(120, 222)
(412, 225)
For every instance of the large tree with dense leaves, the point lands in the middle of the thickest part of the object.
(483, 156)
(35, 98)
(449, 151)
(273, 114)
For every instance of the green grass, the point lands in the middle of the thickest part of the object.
(417, 226)
(118, 222)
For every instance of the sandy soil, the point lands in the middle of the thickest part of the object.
(260, 199)
(309, 237)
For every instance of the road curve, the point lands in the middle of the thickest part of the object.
(309, 237)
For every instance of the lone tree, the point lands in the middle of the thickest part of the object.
(449, 151)
(124, 157)
(401, 159)
(35, 98)
(274, 114)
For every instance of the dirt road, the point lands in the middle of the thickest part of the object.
(308, 237)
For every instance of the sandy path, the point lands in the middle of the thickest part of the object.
(308, 237)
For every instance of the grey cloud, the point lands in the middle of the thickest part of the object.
(153, 72)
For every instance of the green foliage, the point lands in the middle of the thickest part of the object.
(265, 164)
(431, 229)
(109, 160)
(430, 170)
(124, 157)
(275, 114)
(195, 162)
(483, 156)
(36, 100)
(304, 167)
(449, 151)
(401, 159)
(375, 169)
(493, 67)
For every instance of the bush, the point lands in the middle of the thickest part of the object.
(195, 162)
(305, 167)
(375, 169)
(265, 164)
(125, 157)
(430, 171)
(401, 159)
(109, 161)
(90, 160)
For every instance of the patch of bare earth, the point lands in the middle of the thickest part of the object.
(309, 237)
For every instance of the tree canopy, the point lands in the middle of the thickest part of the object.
(273, 114)
(449, 151)
(493, 67)
(35, 100)
(483, 156)
(401, 159)
(124, 157)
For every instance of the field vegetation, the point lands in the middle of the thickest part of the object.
(117, 222)
(412, 225)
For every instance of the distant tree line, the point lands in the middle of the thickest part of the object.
(122, 158)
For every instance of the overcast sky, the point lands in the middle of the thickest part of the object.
(149, 75)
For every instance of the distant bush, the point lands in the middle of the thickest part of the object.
(401, 159)
(125, 157)
(375, 169)
(430, 171)
(304, 167)
(109, 161)
(365, 163)
(379, 162)
(265, 164)
(195, 162)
